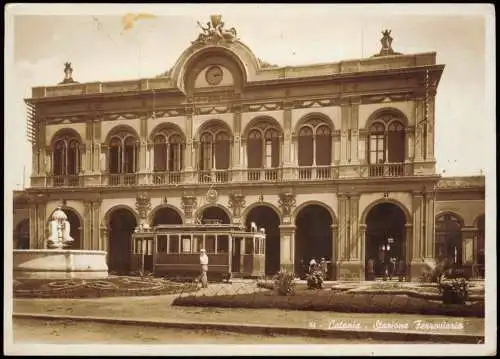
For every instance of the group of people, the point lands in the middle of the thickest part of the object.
(312, 266)
(391, 267)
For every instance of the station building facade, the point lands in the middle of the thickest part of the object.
(334, 160)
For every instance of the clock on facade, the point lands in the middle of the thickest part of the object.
(214, 75)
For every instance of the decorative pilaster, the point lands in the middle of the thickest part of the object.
(287, 130)
(86, 240)
(430, 129)
(345, 144)
(354, 158)
(236, 203)
(189, 138)
(354, 240)
(237, 136)
(430, 242)
(143, 206)
(468, 255)
(419, 263)
(287, 203)
(104, 239)
(38, 222)
(287, 246)
(94, 229)
(343, 253)
(419, 126)
(188, 205)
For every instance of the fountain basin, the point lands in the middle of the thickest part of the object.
(59, 264)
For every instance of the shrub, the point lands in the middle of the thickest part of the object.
(340, 303)
(315, 280)
(265, 285)
(284, 283)
(428, 277)
(454, 291)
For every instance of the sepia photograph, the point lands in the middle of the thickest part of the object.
(252, 179)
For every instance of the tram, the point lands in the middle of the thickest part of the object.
(174, 250)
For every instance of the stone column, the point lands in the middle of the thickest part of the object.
(468, 255)
(287, 244)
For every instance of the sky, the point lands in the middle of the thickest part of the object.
(102, 46)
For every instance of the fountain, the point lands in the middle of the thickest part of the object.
(58, 261)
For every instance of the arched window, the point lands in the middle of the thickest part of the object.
(386, 140)
(272, 148)
(123, 153)
(396, 142)
(66, 156)
(306, 146)
(377, 143)
(215, 152)
(168, 152)
(255, 147)
(323, 146)
(263, 145)
(315, 143)
(449, 239)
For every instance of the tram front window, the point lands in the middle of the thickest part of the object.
(222, 244)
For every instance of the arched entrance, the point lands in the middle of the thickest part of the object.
(313, 236)
(385, 238)
(215, 214)
(449, 240)
(166, 215)
(22, 235)
(75, 230)
(122, 223)
(267, 218)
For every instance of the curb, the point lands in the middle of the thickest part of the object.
(270, 329)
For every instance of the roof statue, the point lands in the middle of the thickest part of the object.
(215, 32)
(68, 74)
(386, 42)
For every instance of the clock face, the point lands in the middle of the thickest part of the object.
(214, 75)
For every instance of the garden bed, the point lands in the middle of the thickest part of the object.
(94, 288)
(322, 300)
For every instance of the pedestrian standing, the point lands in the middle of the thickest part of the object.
(204, 268)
